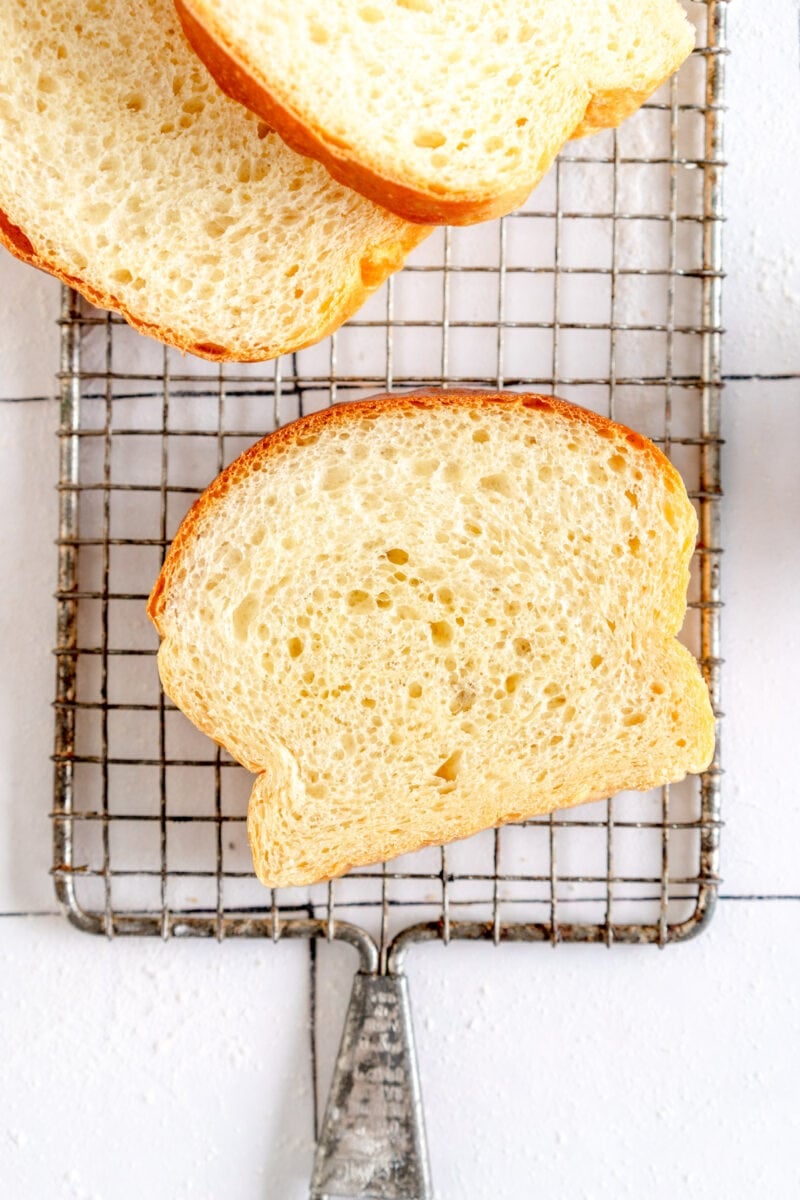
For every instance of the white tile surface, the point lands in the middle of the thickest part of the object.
(138, 1069)
(29, 304)
(760, 638)
(619, 1074)
(149, 1070)
(28, 527)
(762, 188)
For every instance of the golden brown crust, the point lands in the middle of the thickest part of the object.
(233, 76)
(604, 110)
(611, 107)
(17, 243)
(428, 398)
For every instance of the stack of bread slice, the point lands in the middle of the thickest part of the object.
(126, 170)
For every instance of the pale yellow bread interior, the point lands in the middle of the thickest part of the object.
(128, 173)
(417, 617)
(445, 111)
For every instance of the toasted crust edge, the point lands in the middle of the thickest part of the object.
(375, 406)
(604, 110)
(378, 263)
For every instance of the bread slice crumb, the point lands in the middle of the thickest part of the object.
(444, 111)
(126, 172)
(420, 616)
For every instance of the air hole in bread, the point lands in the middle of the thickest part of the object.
(318, 33)
(425, 467)
(499, 484)
(370, 14)
(429, 139)
(441, 633)
(359, 601)
(671, 518)
(462, 701)
(335, 477)
(243, 616)
(98, 213)
(449, 769)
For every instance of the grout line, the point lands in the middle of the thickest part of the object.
(770, 378)
(758, 897)
(312, 1033)
(53, 912)
(767, 377)
(27, 399)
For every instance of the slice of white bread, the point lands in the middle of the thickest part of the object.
(420, 616)
(445, 111)
(125, 171)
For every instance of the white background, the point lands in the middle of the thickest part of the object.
(182, 1070)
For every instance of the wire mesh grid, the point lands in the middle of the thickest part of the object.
(604, 289)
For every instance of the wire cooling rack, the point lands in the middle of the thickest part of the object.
(604, 289)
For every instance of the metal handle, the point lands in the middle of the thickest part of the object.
(372, 1145)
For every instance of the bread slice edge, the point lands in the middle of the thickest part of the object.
(377, 264)
(375, 406)
(278, 784)
(604, 110)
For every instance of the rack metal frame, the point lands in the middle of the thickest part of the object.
(107, 374)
